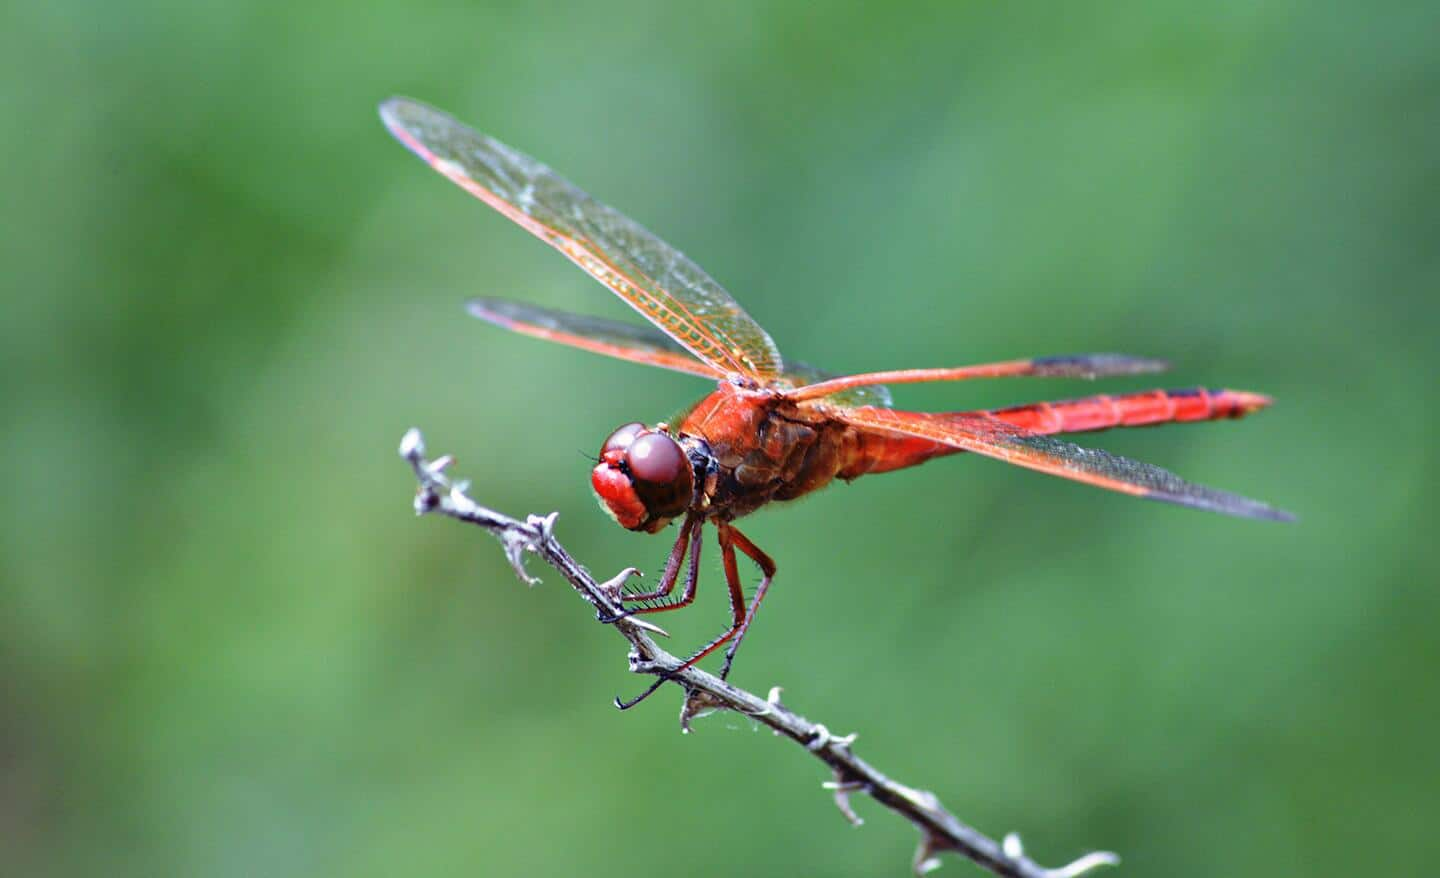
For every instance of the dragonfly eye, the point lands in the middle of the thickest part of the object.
(662, 474)
(620, 440)
(657, 459)
(643, 478)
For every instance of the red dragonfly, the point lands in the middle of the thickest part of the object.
(771, 430)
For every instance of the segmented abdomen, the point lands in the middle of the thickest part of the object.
(1132, 410)
(873, 451)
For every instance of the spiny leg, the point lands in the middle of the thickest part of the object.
(737, 598)
(689, 533)
(692, 581)
(767, 569)
(672, 563)
(737, 611)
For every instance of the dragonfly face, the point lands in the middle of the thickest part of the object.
(644, 478)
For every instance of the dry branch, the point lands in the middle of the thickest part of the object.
(939, 829)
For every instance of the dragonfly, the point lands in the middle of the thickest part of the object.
(772, 430)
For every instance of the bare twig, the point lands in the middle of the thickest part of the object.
(940, 830)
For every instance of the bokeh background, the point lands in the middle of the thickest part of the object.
(228, 648)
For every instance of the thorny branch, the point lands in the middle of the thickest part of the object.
(940, 830)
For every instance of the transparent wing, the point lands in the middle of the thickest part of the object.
(983, 434)
(640, 344)
(803, 374)
(627, 341)
(651, 276)
(1071, 366)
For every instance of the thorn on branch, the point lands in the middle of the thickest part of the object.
(647, 625)
(698, 703)
(1014, 850)
(1087, 863)
(843, 788)
(515, 544)
(614, 588)
(616, 583)
(1012, 846)
(926, 860)
(544, 524)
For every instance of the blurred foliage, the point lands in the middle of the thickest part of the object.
(227, 648)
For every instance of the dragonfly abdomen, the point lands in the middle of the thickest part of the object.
(1143, 409)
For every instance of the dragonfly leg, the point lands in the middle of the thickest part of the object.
(738, 615)
(692, 580)
(767, 570)
(737, 597)
(689, 539)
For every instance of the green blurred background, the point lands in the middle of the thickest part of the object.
(228, 648)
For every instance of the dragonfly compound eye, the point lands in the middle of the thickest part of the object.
(643, 478)
(662, 473)
(620, 440)
(657, 459)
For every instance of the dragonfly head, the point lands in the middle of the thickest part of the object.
(644, 478)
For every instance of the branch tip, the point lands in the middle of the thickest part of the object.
(412, 444)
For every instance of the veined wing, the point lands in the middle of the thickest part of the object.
(983, 434)
(639, 344)
(1070, 366)
(651, 276)
(804, 375)
(627, 341)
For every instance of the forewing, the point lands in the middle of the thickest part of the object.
(803, 374)
(1071, 366)
(627, 341)
(651, 276)
(992, 437)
